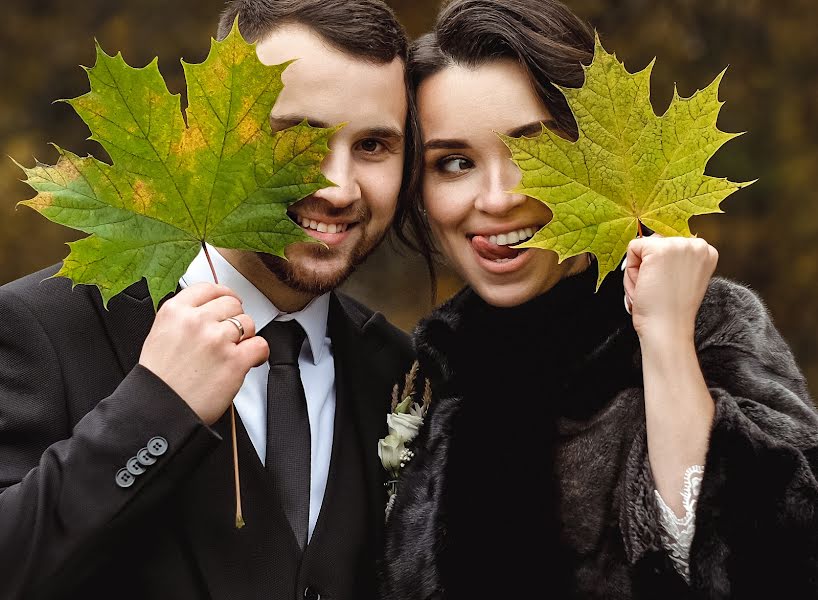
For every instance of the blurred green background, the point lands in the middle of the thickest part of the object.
(768, 238)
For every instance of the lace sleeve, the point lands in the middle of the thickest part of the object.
(677, 532)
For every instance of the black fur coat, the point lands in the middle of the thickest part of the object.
(531, 480)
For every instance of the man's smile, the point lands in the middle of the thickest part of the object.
(330, 230)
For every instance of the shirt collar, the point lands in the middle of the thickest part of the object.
(313, 317)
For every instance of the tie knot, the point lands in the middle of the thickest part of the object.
(285, 339)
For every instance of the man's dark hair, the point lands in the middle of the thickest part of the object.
(548, 40)
(367, 29)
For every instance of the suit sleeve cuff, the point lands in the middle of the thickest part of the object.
(143, 435)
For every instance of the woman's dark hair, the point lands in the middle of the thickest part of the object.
(544, 36)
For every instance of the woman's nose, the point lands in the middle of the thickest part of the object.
(496, 197)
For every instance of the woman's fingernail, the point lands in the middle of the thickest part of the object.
(627, 304)
(625, 263)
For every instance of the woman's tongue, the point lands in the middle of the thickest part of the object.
(489, 251)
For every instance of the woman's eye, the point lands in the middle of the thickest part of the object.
(454, 164)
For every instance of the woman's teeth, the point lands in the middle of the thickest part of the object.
(512, 237)
(320, 226)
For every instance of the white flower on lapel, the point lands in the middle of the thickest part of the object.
(405, 425)
(390, 449)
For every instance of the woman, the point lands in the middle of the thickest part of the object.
(567, 439)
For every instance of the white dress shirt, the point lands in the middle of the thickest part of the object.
(315, 362)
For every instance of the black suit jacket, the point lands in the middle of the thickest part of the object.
(75, 406)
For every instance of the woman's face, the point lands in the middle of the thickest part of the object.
(467, 175)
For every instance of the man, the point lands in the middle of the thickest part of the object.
(116, 476)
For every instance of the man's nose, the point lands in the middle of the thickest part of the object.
(339, 168)
(494, 197)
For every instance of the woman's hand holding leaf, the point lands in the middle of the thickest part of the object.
(665, 282)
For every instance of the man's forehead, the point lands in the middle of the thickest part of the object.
(314, 58)
(288, 42)
(325, 85)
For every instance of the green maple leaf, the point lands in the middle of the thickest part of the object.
(219, 175)
(627, 166)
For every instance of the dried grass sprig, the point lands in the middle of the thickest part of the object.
(409, 381)
(395, 397)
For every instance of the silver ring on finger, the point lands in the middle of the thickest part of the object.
(238, 325)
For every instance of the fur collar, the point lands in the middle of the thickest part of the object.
(556, 336)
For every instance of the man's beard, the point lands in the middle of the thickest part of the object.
(308, 282)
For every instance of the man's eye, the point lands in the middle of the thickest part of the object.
(371, 146)
(454, 164)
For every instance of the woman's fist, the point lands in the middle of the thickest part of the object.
(665, 281)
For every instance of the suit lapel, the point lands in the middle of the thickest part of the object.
(362, 391)
(127, 321)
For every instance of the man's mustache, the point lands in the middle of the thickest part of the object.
(355, 212)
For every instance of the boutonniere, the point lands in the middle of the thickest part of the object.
(404, 423)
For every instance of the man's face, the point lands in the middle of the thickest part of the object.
(327, 87)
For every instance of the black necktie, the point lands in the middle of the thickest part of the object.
(288, 425)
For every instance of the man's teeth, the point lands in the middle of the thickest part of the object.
(320, 226)
(512, 237)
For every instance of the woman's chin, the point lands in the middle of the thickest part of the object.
(537, 273)
(506, 295)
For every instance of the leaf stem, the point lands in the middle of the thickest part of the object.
(213, 269)
(239, 517)
(639, 226)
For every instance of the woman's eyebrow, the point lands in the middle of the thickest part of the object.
(443, 144)
(529, 129)
(532, 129)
